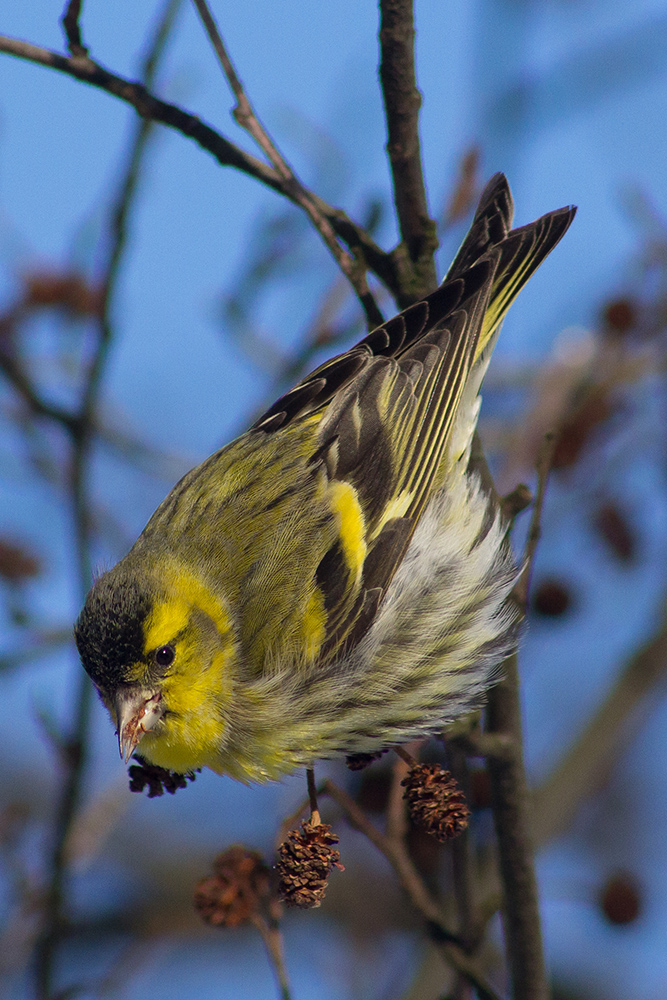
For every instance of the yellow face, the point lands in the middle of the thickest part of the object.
(188, 638)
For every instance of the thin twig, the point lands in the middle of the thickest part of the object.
(405, 755)
(147, 105)
(395, 852)
(462, 858)
(544, 460)
(72, 29)
(396, 812)
(509, 797)
(247, 118)
(17, 377)
(273, 942)
(312, 797)
(244, 113)
(75, 746)
(289, 821)
(402, 102)
(509, 803)
(509, 800)
(590, 758)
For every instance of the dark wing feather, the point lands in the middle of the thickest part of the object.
(388, 403)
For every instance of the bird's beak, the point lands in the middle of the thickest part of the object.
(137, 711)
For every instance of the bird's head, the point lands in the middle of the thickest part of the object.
(160, 651)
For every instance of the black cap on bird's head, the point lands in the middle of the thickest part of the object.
(110, 637)
(109, 632)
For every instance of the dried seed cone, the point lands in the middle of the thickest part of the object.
(157, 779)
(436, 803)
(304, 862)
(358, 761)
(238, 888)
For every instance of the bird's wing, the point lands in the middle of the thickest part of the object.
(387, 406)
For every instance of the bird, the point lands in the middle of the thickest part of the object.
(337, 580)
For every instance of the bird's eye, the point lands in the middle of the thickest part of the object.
(165, 656)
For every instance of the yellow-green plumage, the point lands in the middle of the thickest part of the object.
(333, 581)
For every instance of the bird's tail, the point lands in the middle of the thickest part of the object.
(520, 252)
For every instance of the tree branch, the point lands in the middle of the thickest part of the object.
(396, 854)
(148, 106)
(70, 24)
(75, 744)
(544, 460)
(590, 758)
(247, 118)
(509, 798)
(509, 802)
(402, 101)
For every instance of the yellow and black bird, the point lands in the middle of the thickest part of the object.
(335, 580)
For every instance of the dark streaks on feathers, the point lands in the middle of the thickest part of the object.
(491, 224)
(355, 625)
(388, 546)
(332, 577)
(389, 403)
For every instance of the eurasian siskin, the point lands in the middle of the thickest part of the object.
(336, 580)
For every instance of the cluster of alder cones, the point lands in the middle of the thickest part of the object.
(242, 885)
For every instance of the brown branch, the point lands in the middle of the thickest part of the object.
(544, 460)
(147, 105)
(402, 101)
(75, 745)
(244, 113)
(591, 757)
(396, 812)
(273, 942)
(509, 798)
(312, 797)
(463, 866)
(70, 24)
(247, 118)
(480, 744)
(509, 794)
(20, 381)
(397, 856)
(509, 802)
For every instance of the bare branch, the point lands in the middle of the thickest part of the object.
(70, 23)
(544, 460)
(420, 897)
(245, 115)
(402, 102)
(75, 744)
(21, 382)
(273, 942)
(463, 865)
(509, 798)
(509, 802)
(590, 758)
(147, 105)
(396, 812)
